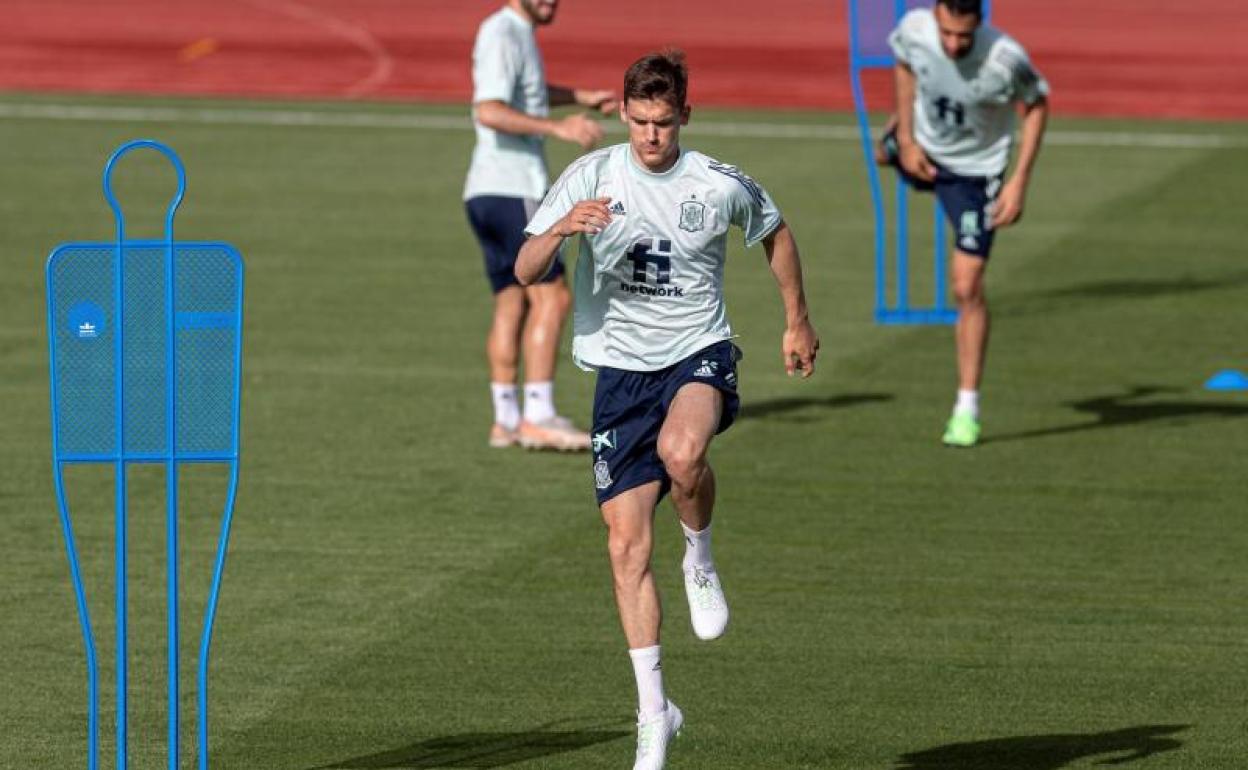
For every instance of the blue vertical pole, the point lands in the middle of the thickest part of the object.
(942, 252)
(903, 248)
(171, 488)
(121, 526)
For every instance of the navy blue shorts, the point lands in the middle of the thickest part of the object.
(629, 410)
(499, 223)
(967, 201)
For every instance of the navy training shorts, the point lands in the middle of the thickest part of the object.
(629, 410)
(498, 222)
(967, 201)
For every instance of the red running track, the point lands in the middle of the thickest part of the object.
(1147, 58)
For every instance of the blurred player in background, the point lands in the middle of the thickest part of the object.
(653, 222)
(959, 86)
(506, 181)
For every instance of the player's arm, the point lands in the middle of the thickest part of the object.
(912, 157)
(1009, 206)
(800, 342)
(602, 101)
(500, 116)
(538, 252)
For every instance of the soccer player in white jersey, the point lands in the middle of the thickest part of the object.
(653, 220)
(959, 87)
(505, 183)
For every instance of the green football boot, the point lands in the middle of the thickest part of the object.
(961, 431)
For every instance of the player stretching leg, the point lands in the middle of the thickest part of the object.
(651, 221)
(959, 85)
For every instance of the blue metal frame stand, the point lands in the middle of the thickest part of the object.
(145, 350)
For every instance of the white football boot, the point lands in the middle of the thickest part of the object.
(708, 610)
(654, 734)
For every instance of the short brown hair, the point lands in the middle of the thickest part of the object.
(964, 7)
(660, 75)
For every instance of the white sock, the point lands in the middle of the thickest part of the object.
(539, 401)
(648, 668)
(968, 403)
(506, 406)
(697, 547)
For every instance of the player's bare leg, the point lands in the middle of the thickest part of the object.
(549, 304)
(972, 345)
(629, 517)
(502, 351)
(691, 422)
(542, 428)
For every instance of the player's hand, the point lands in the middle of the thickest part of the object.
(1008, 208)
(800, 344)
(916, 162)
(602, 101)
(589, 217)
(579, 129)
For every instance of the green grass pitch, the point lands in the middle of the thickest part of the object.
(399, 596)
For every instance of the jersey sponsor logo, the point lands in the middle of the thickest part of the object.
(652, 291)
(651, 252)
(602, 475)
(652, 263)
(692, 216)
(751, 187)
(949, 111)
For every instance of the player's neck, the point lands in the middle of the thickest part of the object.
(518, 9)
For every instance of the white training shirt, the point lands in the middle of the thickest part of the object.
(964, 109)
(649, 287)
(507, 67)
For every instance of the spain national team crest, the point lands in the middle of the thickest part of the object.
(692, 216)
(602, 475)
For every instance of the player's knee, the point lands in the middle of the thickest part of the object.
(629, 552)
(683, 460)
(969, 292)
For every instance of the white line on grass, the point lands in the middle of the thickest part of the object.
(334, 119)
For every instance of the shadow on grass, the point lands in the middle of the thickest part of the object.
(782, 406)
(1126, 409)
(485, 750)
(1120, 289)
(1047, 752)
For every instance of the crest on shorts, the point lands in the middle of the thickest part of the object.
(602, 475)
(969, 226)
(692, 216)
